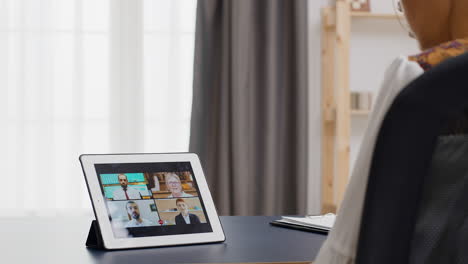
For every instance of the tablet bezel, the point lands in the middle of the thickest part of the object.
(98, 201)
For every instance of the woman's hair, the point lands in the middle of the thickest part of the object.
(172, 175)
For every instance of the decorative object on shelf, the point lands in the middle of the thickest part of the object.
(360, 5)
(361, 101)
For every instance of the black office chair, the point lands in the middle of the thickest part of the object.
(401, 166)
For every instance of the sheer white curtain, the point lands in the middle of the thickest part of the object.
(87, 76)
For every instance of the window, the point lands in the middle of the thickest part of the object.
(83, 76)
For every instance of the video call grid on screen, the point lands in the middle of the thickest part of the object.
(152, 200)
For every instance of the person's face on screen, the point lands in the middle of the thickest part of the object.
(133, 210)
(182, 207)
(174, 186)
(123, 181)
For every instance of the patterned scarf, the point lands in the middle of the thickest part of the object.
(433, 56)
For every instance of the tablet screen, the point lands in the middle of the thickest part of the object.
(152, 199)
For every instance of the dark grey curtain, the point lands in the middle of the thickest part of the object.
(249, 113)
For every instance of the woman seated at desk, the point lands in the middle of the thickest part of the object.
(174, 185)
(171, 185)
(441, 28)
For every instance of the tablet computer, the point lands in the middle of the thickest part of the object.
(150, 200)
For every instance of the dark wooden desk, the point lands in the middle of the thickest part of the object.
(249, 239)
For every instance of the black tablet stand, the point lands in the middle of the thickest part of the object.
(94, 236)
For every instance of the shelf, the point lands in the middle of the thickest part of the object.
(193, 190)
(375, 15)
(360, 112)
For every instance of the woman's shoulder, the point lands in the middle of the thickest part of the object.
(404, 69)
(401, 72)
(403, 64)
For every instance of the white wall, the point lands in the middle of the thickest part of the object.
(374, 44)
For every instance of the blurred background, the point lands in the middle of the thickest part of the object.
(117, 76)
(82, 76)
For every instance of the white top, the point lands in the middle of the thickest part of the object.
(135, 223)
(187, 219)
(132, 193)
(341, 244)
(184, 194)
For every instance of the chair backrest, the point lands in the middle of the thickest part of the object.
(402, 157)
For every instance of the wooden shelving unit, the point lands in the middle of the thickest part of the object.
(336, 110)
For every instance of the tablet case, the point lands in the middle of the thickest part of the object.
(94, 239)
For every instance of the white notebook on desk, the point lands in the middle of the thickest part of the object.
(319, 222)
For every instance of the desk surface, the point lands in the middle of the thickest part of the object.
(61, 240)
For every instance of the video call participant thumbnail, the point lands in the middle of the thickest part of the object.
(125, 192)
(185, 218)
(134, 211)
(174, 185)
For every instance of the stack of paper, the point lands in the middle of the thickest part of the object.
(320, 223)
